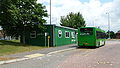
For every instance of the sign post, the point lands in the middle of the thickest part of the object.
(45, 38)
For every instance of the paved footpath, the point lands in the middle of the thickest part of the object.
(37, 53)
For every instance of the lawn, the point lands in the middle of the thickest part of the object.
(14, 46)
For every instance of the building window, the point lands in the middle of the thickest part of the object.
(67, 34)
(73, 34)
(59, 33)
(33, 34)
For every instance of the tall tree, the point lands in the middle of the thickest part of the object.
(16, 16)
(73, 20)
(8, 14)
(112, 34)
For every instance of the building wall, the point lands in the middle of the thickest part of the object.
(63, 40)
(51, 31)
(40, 39)
(1, 35)
(118, 35)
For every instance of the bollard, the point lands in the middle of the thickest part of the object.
(48, 41)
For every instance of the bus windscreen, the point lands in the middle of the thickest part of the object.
(86, 31)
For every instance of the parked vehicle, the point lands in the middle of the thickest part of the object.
(91, 36)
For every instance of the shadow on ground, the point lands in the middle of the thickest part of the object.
(86, 47)
(6, 42)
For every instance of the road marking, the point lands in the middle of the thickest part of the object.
(61, 51)
(34, 55)
(12, 61)
(31, 56)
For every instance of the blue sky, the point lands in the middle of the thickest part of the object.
(102, 1)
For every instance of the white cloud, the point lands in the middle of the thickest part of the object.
(93, 11)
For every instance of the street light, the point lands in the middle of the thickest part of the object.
(108, 24)
(50, 12)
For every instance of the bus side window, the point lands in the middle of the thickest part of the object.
(100, 35)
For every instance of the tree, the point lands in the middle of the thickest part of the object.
(8, 15)
(112, 34)
(73, 20)
(16, 16)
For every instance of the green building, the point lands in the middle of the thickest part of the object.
(52, 36)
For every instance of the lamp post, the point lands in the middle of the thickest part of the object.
(50, 12)
(108, 24)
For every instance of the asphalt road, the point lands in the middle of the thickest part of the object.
(107, 56)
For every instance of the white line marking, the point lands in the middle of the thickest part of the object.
(34, 55)
(61, 51)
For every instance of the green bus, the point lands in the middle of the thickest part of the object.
(91, 36)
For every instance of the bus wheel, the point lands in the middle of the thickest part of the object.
(104, 43)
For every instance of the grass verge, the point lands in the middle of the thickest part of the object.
(14, 46)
